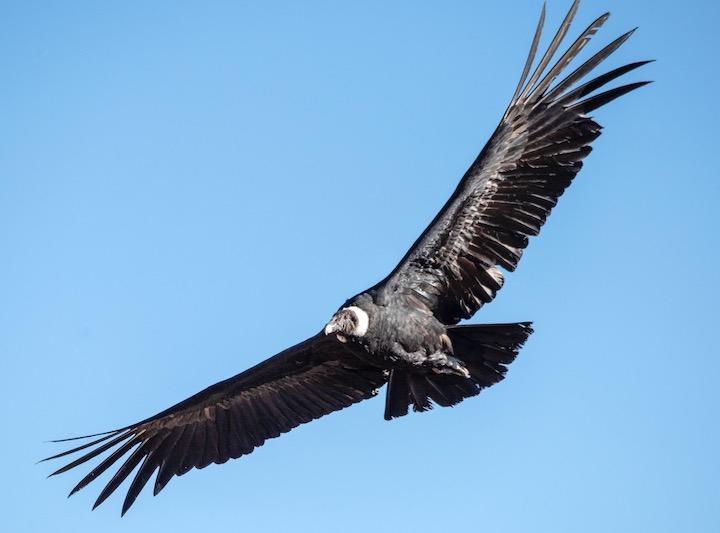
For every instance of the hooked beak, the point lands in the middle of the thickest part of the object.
(332, 328)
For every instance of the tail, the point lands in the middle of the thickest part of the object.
(485, 351)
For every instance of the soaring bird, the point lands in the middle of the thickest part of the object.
(404, 331)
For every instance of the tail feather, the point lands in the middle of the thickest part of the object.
(485, 350)
(398, 391)
(420, 399)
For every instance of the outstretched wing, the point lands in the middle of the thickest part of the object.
(510, 189)
(231, 418)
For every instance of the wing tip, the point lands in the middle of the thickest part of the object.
(125, 508)
(55, 441)
(599, 100)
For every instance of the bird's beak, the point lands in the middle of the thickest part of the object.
(331, 327)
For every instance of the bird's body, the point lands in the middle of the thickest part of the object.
(423, 358)
(397, 333)
(404, 331)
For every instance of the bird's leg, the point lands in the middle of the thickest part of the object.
(443, 363)
(440, 362)
(400, 354)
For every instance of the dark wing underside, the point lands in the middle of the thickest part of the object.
(508, 192)
(230, 418)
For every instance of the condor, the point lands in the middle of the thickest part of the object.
(404, 331)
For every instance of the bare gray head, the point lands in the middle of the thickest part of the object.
(348, 322)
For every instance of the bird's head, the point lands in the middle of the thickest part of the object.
(349, 322)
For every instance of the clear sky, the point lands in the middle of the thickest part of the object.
(189, 187)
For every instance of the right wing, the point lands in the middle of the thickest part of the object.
(232, 417)
(508, 192)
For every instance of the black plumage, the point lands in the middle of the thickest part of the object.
(233, 417)
(403, 331)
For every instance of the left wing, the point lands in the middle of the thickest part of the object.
(231, 418)
(508, 192)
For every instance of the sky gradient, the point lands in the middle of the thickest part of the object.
(188, 188)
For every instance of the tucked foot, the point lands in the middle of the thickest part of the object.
(447, 364)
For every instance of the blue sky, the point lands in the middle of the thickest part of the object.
(188, 188)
